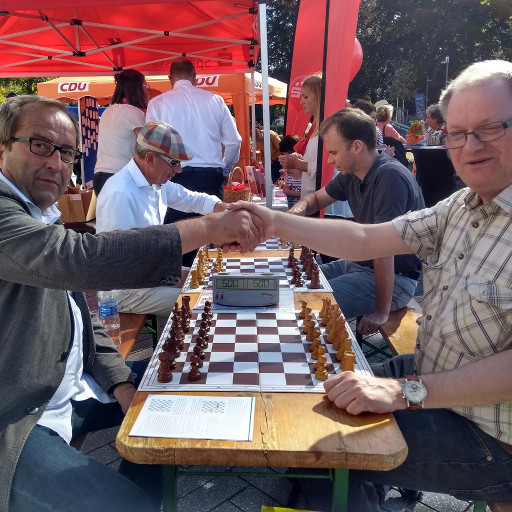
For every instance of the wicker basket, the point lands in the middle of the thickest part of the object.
(230, 195)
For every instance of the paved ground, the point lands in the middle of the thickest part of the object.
(248, 493)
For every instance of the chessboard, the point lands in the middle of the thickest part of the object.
(250, 350)
(274, 244)
(275, 264)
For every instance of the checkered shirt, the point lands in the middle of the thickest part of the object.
(466, 248)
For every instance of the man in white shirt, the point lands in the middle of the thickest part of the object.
(138, 196)
(206, 125)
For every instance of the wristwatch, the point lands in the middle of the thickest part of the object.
(414, 392)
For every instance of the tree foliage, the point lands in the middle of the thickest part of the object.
(281, 19)
(428, 31)
(19, 85)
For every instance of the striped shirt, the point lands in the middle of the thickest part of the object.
(467, 278)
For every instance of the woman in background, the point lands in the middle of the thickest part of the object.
(434, 128)
(310, 95)
(384, 115)
(116, 138)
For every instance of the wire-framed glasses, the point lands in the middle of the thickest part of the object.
(485, 133)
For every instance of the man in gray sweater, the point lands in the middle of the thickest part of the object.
(59, 370)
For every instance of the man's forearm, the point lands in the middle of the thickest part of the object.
(384, 269)
(306, 206)
(193, 233)
(484, 382)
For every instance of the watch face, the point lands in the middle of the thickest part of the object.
(414, 391)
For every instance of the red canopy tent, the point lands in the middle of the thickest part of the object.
(99, 37)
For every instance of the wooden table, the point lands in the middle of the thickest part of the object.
(301, 430)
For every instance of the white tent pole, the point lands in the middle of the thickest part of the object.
(266, 100)
(253, 115)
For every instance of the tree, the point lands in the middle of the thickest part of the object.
(466, 30)
(281, 19)
(19, 85)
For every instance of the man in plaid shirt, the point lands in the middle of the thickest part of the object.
(459, 381)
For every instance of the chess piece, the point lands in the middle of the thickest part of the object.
(164, 370)
(312, 333)
(194, 280)
(345, 346)
(326, 302)
(314, 346)
(321, 368)
(303, 305)
(326, 317)
(184, 320)
(185, 304)
(298, 279)
(347, 365)
(198, 351)
(308, 327)
(315, 279)
(194, 374)
(318, 352)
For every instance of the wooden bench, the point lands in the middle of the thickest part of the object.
(401, 329)
(131, 326)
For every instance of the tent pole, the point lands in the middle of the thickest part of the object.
(253, 115)
(266, 100)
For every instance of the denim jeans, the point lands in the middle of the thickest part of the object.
(447, 454)
(353, 286)
(53, 476)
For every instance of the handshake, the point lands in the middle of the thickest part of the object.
(241, 227)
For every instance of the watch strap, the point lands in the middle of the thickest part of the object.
(412, 406)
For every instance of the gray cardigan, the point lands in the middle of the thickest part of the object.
(38, 263)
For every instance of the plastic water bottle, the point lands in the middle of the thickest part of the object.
(107, 310)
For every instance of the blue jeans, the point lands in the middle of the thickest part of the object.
(53, 476)
(447, 454)
(353, 286)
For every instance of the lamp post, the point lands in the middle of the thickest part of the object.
(447, 62)
(426, 92)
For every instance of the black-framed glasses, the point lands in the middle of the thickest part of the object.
(171, 161)
(44, 148)
(485, 133)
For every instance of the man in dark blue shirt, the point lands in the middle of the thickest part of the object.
(378, 188)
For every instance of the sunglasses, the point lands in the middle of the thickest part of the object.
(171, 161)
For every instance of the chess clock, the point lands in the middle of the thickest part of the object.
(246, 290)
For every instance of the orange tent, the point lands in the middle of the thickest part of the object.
(235, 88)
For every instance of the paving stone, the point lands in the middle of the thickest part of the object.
(212, 494)
(277, 487)
(252, 499)
(227, 507)
(97, 439)
(189, 484)
(442, 503)
(106, 454)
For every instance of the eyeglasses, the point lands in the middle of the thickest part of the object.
(485, 133)
(44, 148)
(171, 161)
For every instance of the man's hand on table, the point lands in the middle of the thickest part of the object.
(370, 324)
(124, 394)
(357, 393)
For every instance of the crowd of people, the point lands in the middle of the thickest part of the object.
(62, 375)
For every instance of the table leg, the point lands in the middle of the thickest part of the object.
(340, 490)
(170, 488)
